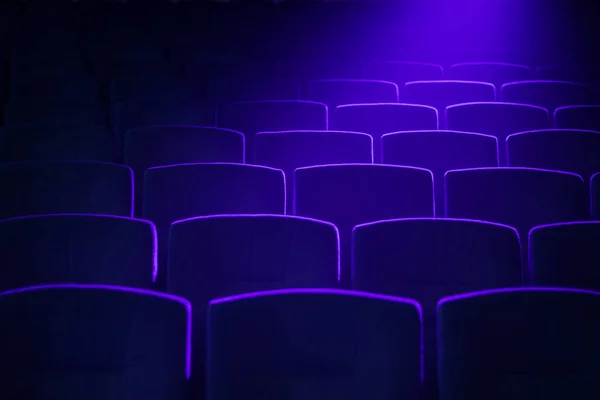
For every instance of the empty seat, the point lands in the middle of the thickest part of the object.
(352, 194)
(156, 146)
(439, 152)
(251, 117)
(49, 141)
(156, 111)
(427, 259)
(497, 119)
(295, 149)
(229, 90)
(548, 94)
(217, 256)
(178, 192)
(401, 72)
(518, 197)
(335, 92)
(55, 187)
(565, 255)
(595, 195)
(441, 94)
(379, 119)
(497, 73)
(94, 342)
(567, 150)
(317, 344)
(577, 117)
(522, 343)
(77, 248)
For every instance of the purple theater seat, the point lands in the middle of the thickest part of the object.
(77, 248)
(177, 192)
(441, 94)
(239, 89)
(296, 149)
(497, 119)
(526, 343)
(155, 146)
(565, 255)
(427, 259)
(225, 255)
(577, 117)
(314, 344)
(379, 119)
(52, 141)
(56, 187)
(518, 197)
(336, 92)
(439, 152)
(595, 195)
(352, 194)
(496, 73)
(94, 342)
(568, 150)
(401, 72)
(251, 117)
(548, 94)
(167, 109)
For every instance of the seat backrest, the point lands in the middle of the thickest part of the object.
(223, 255)
(439, 152)
(566, 150)
(565, 255)
(55, 187)
(525, 343)
(577, 117)
(518, 197)
(91, 341)
(177, 192)
(497, 119)
(79, 248)
(314, 344)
